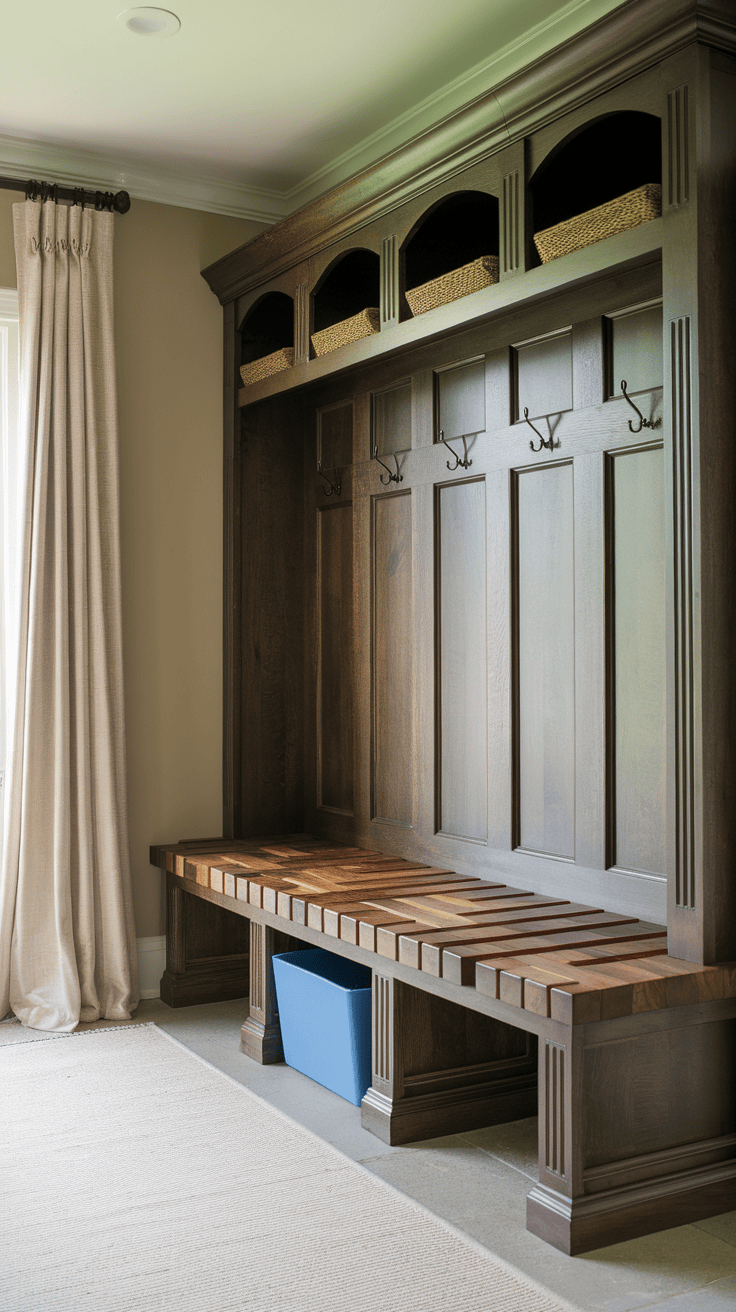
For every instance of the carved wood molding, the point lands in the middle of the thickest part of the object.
(555, 1148)
(678, 191)
(621, 45)
(390, 282)
(512, 244)
(685, 744)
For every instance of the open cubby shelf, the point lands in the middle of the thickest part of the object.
(603, 160)
(351, 285)
(267, 328)
(452, 233)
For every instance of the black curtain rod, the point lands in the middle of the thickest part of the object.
(99, 200)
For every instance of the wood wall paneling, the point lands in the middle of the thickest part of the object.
(590, 668)
(636, 351)
(271, 609)
(544, 376)
(335, 676)
(461, 400)
(392, 415)
(654, 1091)
(500, 640)
(462, 780)
(545, 674)
(498, 389)
(587, 363)
(335, 436)
(638, 687)
(393, 691)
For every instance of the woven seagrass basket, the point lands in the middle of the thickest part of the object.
(472, 277)
(267, 365)
(348, 330)
(628, 211)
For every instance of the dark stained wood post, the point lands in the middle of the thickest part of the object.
(699, 270)
(232, 555)
(261, 1033)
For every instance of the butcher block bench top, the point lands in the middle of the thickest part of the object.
(572, 963)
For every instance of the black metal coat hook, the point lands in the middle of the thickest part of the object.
(392, 478)
(643, 423)
(331, 488)
(549, 442)
(465, 463)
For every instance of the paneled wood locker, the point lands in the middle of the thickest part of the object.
(490, 613)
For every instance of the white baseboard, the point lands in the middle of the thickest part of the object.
(151, 965)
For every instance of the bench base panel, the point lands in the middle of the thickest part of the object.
(581, 1224)
(208, 982)
(406, 1120)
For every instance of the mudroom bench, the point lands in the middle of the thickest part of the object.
(489, 1002)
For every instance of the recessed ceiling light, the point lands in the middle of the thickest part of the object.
(145, 21)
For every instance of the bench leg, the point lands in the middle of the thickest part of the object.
(637, 1127)
(438, 1068)
(206, 951)
(260, 1036)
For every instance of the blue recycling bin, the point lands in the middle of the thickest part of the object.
(324, 1004)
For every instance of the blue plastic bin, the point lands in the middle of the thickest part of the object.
(324, 1006)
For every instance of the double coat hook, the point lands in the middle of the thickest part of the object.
(464, 463)
(548, 442)
(331, 488)
(643, 423)
(392, 478)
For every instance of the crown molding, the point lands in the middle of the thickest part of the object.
(555, 31)
(623, 43)
(65, 164)
(268, 205)
(492, 93)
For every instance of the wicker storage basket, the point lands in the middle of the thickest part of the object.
(267, 365)
(617, 215)
(472, 277)
(348, 330)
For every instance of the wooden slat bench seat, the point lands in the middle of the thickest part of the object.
(468, 976)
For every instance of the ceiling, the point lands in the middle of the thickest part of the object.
(251, 108)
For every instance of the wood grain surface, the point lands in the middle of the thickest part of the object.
(559, 959)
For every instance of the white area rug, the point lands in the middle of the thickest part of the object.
(135, 1176)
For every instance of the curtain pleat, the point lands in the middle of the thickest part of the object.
(67, 937)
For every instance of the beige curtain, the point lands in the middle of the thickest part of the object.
(67, 941)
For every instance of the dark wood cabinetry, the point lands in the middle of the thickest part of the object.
(519, 666)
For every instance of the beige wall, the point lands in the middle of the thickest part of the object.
(169, 353)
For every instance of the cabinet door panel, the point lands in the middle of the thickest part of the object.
(545, 661)
(335, 699)
(461, 660)
(462, 399)
(636, 541)
(393, 697)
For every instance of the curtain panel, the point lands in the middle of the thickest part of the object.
(67, 937)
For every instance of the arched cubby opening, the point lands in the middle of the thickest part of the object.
(602, 161)
(267, 337)
(349, 288)
(454, 233)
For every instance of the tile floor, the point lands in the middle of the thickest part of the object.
(478, 1181)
